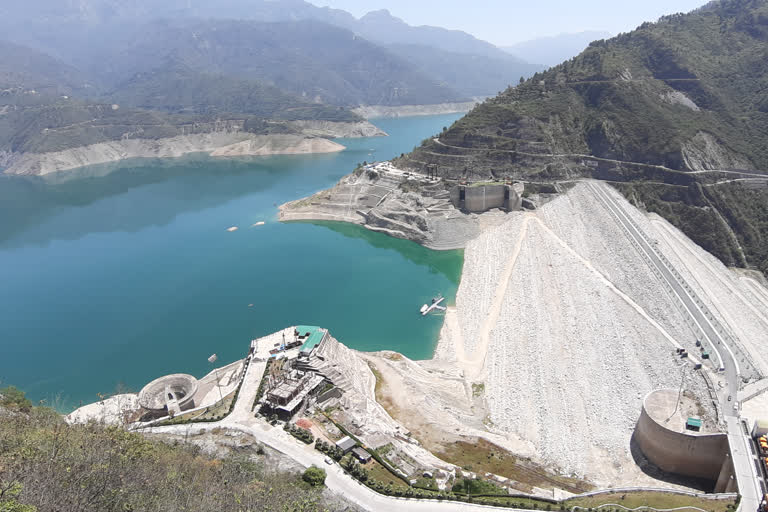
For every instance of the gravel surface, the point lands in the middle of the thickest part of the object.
(573, 330)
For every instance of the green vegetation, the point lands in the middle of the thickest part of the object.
(302, 434)
(658, 500)
(483, 457)
(472, 486)
(684, 94)
(728, 220)
(46, 464)
(382, 478)
(330, 450)
(321, 62)
(314, 476)
(42, 125)
(217, 412)
(14, 399)
(180, 89)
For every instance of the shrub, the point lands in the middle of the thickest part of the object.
(314, 476)
(14, 399)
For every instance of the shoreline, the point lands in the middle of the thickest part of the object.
(311, 137)
(388, 112)
(215, 145)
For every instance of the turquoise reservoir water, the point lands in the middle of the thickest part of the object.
(115, 278)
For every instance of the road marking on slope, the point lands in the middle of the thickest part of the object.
(477, 364)
(626, 298)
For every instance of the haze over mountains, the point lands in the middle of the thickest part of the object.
(552, 50)
(67, 30)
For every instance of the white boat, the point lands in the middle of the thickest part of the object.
(425, 309)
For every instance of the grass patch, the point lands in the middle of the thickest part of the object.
(660, 500)
(217, 411)
(521, 503)
(483, 456)
(478, 389)
(381, 397)
(382, 474)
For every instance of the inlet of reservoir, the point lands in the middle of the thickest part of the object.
(111, 276)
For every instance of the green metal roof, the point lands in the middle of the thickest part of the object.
(315, 336)
(693, 423)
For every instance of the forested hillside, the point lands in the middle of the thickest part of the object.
(677, 110)
(314, 60)
(47, 465)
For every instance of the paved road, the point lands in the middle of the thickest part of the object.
(713, 336)
(337, 480)
(243, 420)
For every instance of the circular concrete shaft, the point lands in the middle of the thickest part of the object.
(179, 387)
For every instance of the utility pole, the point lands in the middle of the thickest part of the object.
(212, 360)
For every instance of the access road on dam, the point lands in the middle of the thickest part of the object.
(744, 461)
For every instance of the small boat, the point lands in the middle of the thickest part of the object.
(425, 309)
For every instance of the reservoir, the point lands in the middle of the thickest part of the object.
(111, 276)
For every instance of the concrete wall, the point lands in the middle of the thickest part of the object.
(486, 197)
(700, 456)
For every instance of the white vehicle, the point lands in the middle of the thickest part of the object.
(328, 461)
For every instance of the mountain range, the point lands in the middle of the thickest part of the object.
(67, 29)
(74, 73)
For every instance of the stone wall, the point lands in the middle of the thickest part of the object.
(486, 197)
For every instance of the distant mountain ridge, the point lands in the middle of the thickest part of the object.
(314, 60)
(66, 28)
(27, 69)
(552, 50)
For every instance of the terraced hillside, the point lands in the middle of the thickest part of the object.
(678, 109)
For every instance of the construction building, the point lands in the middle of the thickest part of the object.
(346, 444)
(292, 384)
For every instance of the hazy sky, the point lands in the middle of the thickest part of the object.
(505, 22)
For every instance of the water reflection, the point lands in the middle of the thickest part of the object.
(442, 262)
(134, 195)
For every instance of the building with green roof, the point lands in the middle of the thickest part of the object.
(312, 337)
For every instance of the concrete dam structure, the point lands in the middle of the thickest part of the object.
(664, 436)
(481, 198)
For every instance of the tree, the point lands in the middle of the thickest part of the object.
(522, 80)
(15, 399)
(314, 476)
(8, 495)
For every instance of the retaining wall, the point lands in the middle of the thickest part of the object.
(705, 456)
